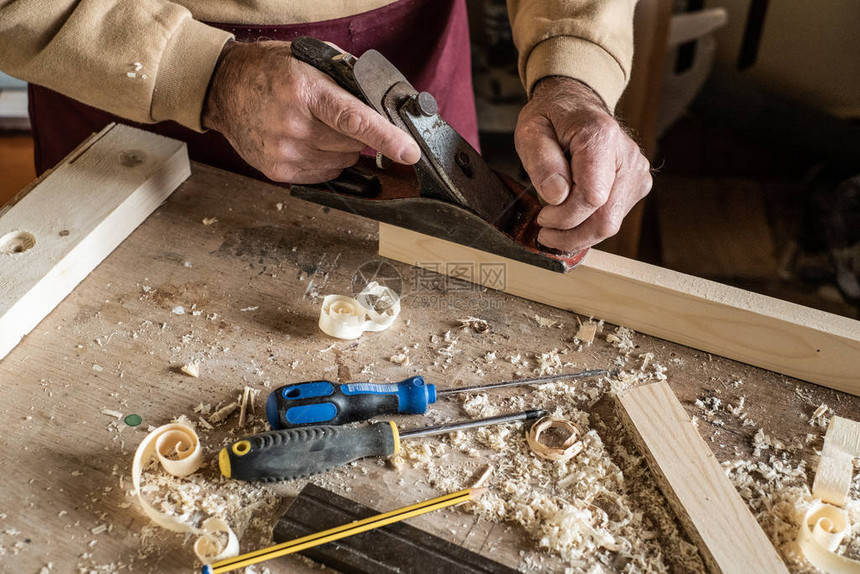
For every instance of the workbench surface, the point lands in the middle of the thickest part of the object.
(250, 287)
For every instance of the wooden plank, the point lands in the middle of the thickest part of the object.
(790, 339)
(56, 233)
(708, 506)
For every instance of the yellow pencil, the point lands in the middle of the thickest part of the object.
(339, 532)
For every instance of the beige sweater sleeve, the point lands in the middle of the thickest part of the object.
(145, 60)
(589, 40)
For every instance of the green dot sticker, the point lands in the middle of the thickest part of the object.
(133, 420)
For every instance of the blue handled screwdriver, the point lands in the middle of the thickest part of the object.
(324, 402)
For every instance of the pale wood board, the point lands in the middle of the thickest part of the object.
(784, 337)
(707, 504)
(77, 215)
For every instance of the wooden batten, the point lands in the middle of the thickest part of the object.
(762, 331)
(692, 480)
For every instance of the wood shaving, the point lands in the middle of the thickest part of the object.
(248, 396)
(586, 333)
(401, 357)
(110, 413)
(550, 363)
(584, 510)
(622, 339)
(819, 417)
(475, 324)
(542, 440)
(191, 369)
(546, 321)
(223, 413)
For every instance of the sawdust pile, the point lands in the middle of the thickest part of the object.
(589, 511)
(774, 481)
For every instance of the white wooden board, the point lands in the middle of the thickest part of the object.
(57, 232)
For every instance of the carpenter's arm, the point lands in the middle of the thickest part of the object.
(145, 60)
(575, 59)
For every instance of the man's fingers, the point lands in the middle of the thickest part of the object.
(544, 161)
(604, 223)
(594, 172)
(629, 187)
(324, 138)
(344, 113)
(300, 163)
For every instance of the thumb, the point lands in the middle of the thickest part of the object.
(544, 161)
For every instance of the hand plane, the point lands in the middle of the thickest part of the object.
(451, 193)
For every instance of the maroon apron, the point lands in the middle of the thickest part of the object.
(428, 40)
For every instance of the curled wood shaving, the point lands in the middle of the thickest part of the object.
(374, 309)
(825, 525)
(823, 528)
(567, 450)
(177, 448)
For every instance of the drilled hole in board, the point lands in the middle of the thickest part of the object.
(16, 242)
(132, 158)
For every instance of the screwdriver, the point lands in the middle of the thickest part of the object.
(301, 452)
(316, 402)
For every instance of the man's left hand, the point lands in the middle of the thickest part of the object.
(581, 162)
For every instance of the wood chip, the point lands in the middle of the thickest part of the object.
(248, 395)
(221, 414)
(586, 333)
(475, 324)
(191, 369)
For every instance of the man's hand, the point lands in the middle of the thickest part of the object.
(291, 121)
(581, 162)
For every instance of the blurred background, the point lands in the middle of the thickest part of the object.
(749, 111)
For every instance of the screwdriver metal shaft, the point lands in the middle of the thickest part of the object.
(454, 427)
(517, 382)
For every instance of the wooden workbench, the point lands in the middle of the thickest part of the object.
(256, 277)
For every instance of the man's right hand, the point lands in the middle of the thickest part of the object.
(291, 121)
